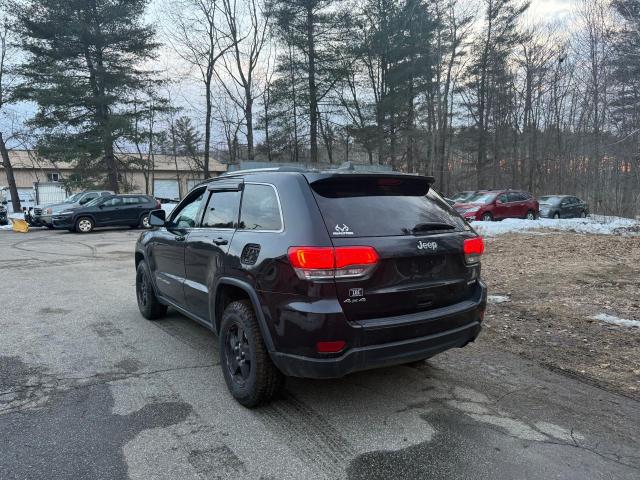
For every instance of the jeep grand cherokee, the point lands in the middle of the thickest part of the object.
(314, 273)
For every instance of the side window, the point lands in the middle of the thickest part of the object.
(565, 202)
(503, 198)
(113, 202)
(186, 216)
(87, 198)
(260, 208)
(222, 210)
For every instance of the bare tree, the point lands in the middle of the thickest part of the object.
(247, 23)
(199, 35)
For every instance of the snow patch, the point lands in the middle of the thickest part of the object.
(497, 299)
(605, 317)
(594, 224)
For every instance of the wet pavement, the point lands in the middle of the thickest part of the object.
(89, 389)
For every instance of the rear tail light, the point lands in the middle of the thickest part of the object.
(158, 204)
(473, 250)
(314, 263)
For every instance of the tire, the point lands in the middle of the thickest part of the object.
(556, 216)
(583, 214)
(486, 217)
(251, 376)
(144, 221)
(149, 305)
(50, 227)
(84, 225)
(531, 215)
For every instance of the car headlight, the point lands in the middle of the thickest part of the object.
(48, 211)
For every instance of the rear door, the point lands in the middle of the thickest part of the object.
(418, 239)
(515, 205)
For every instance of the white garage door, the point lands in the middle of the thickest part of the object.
(166, 189)
(192, 183)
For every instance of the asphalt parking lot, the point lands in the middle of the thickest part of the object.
(89, 389)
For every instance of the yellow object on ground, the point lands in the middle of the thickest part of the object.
(20, 226)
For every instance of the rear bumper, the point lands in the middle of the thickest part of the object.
(465, 319)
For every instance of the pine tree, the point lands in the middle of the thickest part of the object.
(83, 69)
(311, 28)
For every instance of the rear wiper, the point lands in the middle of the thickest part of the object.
(431, 226)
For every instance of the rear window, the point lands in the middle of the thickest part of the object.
(260, 208)
(382, 206)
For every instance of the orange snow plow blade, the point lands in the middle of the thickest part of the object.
(20, 226)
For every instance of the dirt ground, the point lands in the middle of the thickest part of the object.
(555, 282)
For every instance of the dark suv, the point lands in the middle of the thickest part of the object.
(314, 273)
(110, 211)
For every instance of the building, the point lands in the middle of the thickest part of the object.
(171, 177)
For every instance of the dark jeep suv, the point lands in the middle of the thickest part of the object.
(110, 211)
(314, 273)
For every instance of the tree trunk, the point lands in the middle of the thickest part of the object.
(313, 90)
(249, 119)
(8, 168)
(112, 167)
(207, 128)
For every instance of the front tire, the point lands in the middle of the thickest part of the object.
(486, 217)
(251, 376)
(148, 304)
(556, 216)
(583, 214)
(84, 225)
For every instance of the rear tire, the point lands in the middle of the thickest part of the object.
(144, 221)
(84, 225)
(486, 217)
(149, 305)
(583, 214)
(251, 376)
(531, 215)
(556, 216)
(50, 227)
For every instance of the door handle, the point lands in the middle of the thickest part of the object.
(220, 241)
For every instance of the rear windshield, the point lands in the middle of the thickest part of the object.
(549, 200)
(382, 206)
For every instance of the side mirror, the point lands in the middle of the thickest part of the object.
(158, 218)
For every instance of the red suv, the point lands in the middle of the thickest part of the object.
(488, 205)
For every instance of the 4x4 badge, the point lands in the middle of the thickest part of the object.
(342, 230)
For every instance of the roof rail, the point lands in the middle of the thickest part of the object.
(261, 170)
